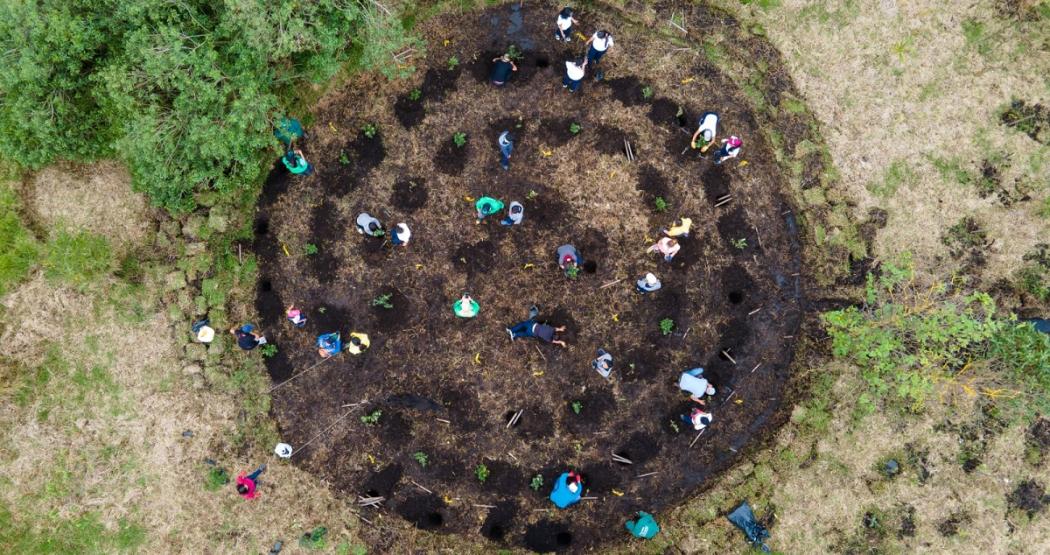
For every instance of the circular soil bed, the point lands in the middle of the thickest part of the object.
(447, 387)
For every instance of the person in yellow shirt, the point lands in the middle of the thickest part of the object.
(358, 343)
(679, 228)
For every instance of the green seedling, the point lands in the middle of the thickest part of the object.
(370, 130)
(740, 243)
(666, 326)
(537, 482)
(514, 53)
(482, 472)
(216, 478)
(674, 426)
(647, 92)
(660, 205)
(421, 458)
(531, 195)
(575, 128)
(415, 95)
(343, 158)
(577, 406)
(459, 139)
(371, 419)
(268, 350)
(572, 272)
(383, 301)
(452, 62)
(310, 248)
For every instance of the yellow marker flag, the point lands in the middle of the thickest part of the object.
(332, 127)
(743, 163)
(419, 266)
(477, 359)
(617, 493)
(739, 401)
(538, 374)
(285, 247)
(688, 80)
(468, 198)
(615, 317)
(528, 265)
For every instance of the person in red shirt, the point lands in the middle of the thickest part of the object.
(246, 484)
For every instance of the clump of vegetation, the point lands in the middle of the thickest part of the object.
(216, 478)
(343, 158)
(537, 482)
(268, 350)
(660, 205)
(514, 53)
(314, 539)
(575, 128)
(372, 418)
(910, 337)
(383, 301)
(965, 235)
(1034, 276)
(531, 195)
(310, 249)
(421, 458)
(20, 249)
(482, 472)
(740, 243)
(577, 406)
(370, 130)
(647, 92)
(77, 258)
(452, 62)
(459, 139)
(666, 326)
(415, 94)
(572, 272)
(134, 84)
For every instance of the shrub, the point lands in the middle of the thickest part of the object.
(216, 478)
(452, 62)
(370, 130)
(383, 301)
(537, 482)
(310, 249)
(575, 128)
(268, 350)
(577, 406)
(647, 92)
(514, 53)
(740, 243)
(415, 95)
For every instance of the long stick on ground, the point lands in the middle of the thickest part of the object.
(323, 360)
(415, 483)
(697, 437)
(611, 283)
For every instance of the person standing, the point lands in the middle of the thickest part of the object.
(563, 25)
(247, 337)
(506, 147)
(648, 283)
(667, 246)
(575, 70)
(599, 44)
(359, 343)
(679, 228)
(329, 344)
(501, 72)
(567, 490)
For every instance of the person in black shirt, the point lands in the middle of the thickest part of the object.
(247, 337)
(502, 70)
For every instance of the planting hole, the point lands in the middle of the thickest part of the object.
(722, 354)
(262, 226)
(497, 532)
(372, 493)
(543, 62)
(563, 538)
(590, 266)
(435, 519)
(736, 297)
(625, 455)
(266, 286)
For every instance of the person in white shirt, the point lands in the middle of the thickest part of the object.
(706, 133)
(574, 72)
(693, 383)
(401, 235)
(563, 31)
(599, 42)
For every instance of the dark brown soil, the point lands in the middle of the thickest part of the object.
(1039, 435)
(447, 387)
(1029, 496)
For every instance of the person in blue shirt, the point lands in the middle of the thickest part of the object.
(645, 527)
(501, 72)
(567, 490)
(506, 147)
(329, 344)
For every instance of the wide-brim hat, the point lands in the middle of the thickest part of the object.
(205, 334)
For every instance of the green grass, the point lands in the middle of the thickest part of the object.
(18, 249)
(83, 533)
(78, 259)
(898, 173)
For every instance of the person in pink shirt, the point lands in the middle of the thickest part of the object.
(246, 484)
(668, 246)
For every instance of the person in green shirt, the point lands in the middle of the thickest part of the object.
(466, 307)
(296, 162)
(645, 527)
(287, 130)
(487, 206)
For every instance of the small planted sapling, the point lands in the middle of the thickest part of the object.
(482, 472)
(740, 243)
(452, 62)
(415, 94)
(577, 406)
(268, 350)
(514, 53)
(660, 205)
(372, 418)
(575, 128)
(310, 249)
(421, 458)
(537, 482)
(459, 139)
(370, 130)
(572, 271)
(647, 92)
(531, 195)
(343, 158)
(666, 326)
(383, 301)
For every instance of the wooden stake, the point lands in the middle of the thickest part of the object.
(731, 359)
(619, 459)
(420, 487)
(754, 311)
(540, 352)
(485, 506)
(514, 419)
(588, 498)
(697, 437)
(443, 420)
(755, 368)
(611, 283)
(647, 474)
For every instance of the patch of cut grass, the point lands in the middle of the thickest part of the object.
(77, 259)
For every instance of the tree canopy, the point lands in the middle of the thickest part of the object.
(184, 92)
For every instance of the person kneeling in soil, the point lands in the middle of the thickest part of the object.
(730, 149)
(247, 337)
(246, 484)
(466, 307)
(515, 213)
(706, 133)
(329, 344)
(487, 206)
(502, 70)
(295, 316)
(296, 163)
(648, 283)
(645, 527)
(400, 235)
(603, 363)
(569, 259)
(696, 386)
(369, 225)
(679, 228)
(575, 71)
(668, 246)
(532, 328)
(568, 489)
(698, 419)
(358, 343)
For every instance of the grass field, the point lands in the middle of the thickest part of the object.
(108, 413)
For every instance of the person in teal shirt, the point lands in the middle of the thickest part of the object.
(296, 162)
(466, 307)
(288, 130)
(487, 206)
(645, 527)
